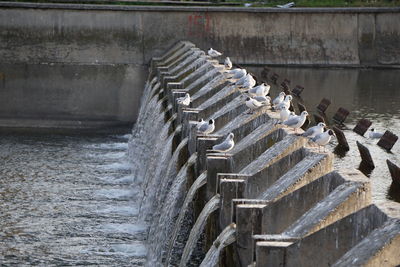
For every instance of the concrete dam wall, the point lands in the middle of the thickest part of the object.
(72, 65)
(273, 200)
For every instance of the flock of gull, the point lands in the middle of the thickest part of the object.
(257, 96)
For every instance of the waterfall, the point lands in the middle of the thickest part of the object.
(172, 170)
(156, 170)
(141, 145)
(162, 180)
(167, 211)
(200, 181)
(227, 237)
(212, 205)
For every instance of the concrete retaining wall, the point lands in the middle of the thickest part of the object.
(88, 63)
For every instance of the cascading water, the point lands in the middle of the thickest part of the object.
(152, 120)
(171, 173)
(156, 166)
(212, 205)
(200, 181)
(167, 211)
(161, 175)
(227, 237)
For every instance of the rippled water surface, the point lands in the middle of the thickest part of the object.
(367, 93)
(68, 200)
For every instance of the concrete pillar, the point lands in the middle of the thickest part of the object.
(192, 136)
(271, 253)
(175, 95)
(189, 118)
(231, 187)
(216, 164)
(248, 223)
(204, 143)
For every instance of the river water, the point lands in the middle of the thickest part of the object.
(68, 200)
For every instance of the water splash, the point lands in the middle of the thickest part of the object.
(156, 170)
(212, 205)
(167, 211)
(200, 181)
(227, 237)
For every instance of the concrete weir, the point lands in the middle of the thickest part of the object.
(280, 199)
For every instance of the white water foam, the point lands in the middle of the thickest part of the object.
(115, 193)
(127, 228)
(130, 210)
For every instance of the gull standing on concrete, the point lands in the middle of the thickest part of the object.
(297, 121)
(323, 138)
(264, 100)
(247, 81)
(228, 63)
(207, 128)
(213, 53)
(253, 104)
(200, 123)
(284, 113)
(185, 100)
(374, 135)
(250, 82)
(285, 103)
(278, 99)
(313, 131)
(260, 90)
(237, 73)
(226, 145)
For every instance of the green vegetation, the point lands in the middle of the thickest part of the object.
(332, 3)
(265, 3)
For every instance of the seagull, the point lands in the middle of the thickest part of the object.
(213, 53)
(313, 131)
(323, 138)
(185, 100)
(228, 63)
(284, 113)
(226, 145)
(260, 90)
(288, 5)
(237, 73)
(207, 128)
(253, 104)
(200, 123)
(297, 121)
(247, 81)
(374, 135)
(250, 82)
(265, 100)
(278, 99)
(285, 102)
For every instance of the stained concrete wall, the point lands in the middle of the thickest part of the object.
(87, 62)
